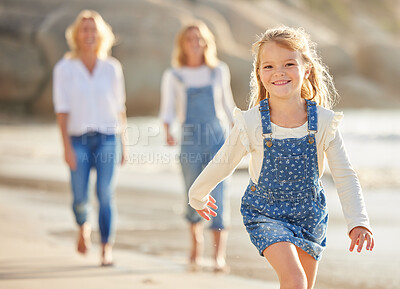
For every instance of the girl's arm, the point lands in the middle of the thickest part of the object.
(350, 194)
(219, 168)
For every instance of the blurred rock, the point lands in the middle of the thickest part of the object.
(32, 41)
(381, 62)
(21, 71)
(338, 60)
(359, 92)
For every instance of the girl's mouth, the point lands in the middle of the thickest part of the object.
(280, 82)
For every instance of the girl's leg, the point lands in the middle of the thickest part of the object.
(80, 190)
(106, 158)
(285, 260)
(310, 266)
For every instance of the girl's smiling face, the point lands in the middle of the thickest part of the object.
(282, 71)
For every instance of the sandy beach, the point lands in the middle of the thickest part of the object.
(152, 237)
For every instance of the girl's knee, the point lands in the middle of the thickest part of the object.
(294, 281)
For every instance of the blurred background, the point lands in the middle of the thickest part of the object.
(359, 40)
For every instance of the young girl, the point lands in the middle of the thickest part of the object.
(288, 131)
(197, 91)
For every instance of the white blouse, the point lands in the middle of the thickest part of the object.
(246, 138)
(94, 101)
(173, 91)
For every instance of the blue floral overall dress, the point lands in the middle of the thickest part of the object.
(202, 137)
(288, 203)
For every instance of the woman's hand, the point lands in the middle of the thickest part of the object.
(170, 140)
(70, 158)
(124, 156)
(207, 211)
(358, 236)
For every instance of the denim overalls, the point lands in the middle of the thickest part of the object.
(202, 137)
(288, 203)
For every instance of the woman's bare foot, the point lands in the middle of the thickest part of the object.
(221, 266)
(220, 238)
(196, 253)
(106, 255)
(84, 242)
(195, 264)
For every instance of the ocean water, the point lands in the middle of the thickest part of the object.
(371, 138)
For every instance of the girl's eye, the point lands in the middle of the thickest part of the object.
(267, 66)
(290, 64)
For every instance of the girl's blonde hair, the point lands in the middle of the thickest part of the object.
(210, 51)
(319, 85)
(105, 36)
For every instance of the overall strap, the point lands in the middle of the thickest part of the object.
(265, 117)
(212, 75)
(178, 76)
(312, 116)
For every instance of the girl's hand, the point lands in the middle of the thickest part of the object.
(358, 236)
(207, 211)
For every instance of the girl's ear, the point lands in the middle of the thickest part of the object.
(307, 74)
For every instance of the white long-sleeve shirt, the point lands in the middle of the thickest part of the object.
(94, 102)
(173, 91)
(246, 138)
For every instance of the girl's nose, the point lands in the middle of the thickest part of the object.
(279, 72)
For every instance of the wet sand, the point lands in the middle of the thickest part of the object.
(150, 206)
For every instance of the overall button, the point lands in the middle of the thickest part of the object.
(252, 188)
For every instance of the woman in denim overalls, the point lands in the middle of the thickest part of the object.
(284, 208)
(199, 89)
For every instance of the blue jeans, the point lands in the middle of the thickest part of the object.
(101, 152)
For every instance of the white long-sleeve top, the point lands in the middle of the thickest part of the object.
(246, 138)
(94, 102)
(173, 91)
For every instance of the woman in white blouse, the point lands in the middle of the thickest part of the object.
(197, 91)
(89, 100)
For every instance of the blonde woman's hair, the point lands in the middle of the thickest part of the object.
(319, 85)
(105, 36)
(210, 51)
